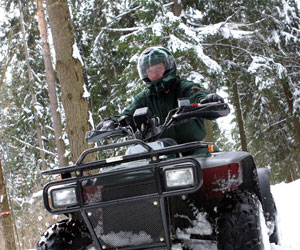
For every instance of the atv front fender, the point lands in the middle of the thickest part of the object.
(268, 204)
(224, 172)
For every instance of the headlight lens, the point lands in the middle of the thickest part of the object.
(179, 177)
(64, 197)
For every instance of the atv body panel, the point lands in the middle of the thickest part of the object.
(126, 205)
(144, 198)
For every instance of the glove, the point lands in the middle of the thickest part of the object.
(212, 98)
(106, 125)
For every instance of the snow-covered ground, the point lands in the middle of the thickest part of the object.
(288, 205)
(287, 200)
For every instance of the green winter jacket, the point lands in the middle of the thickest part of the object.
(161, 103)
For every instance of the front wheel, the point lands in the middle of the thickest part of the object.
(65, 235)
(239, 223)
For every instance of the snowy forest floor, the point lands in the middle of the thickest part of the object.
(288, 205)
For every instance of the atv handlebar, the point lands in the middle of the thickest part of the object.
(149, 130)
(208, 111)
(94, 136)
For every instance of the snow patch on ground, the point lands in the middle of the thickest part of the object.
(288, 206)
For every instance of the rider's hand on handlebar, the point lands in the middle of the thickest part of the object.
(106, 125)
(212, 98)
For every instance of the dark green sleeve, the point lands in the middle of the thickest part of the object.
(196, 95)
(195, 92)
(138, 102)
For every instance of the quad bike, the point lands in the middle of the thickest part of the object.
(151, 196)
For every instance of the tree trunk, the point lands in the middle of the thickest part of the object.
(33, 98)
(239, 116)
(290, 102)
(209, 131)
(6, 219)
(69, 70)
(238, 109)
(293, 168)
(176, 8)
(50, 78)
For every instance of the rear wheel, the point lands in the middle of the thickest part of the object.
(239, 223)
(65, 235)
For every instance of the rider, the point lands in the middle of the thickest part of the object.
(157, 68)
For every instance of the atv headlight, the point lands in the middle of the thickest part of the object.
(64, 197)
(177, 177)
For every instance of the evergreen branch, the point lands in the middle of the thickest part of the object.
(121, 29)
(14, 51)
(273, 125)
(117, 18)
(3, 74)
(230, 17)
(293, 74)
(126, 29)
(35, 147)
(124, 14)
(168, 5)
(233, 47)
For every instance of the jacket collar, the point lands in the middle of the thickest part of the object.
(173, 86)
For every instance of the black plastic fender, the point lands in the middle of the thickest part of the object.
(265, 192)
(268, 203)
(248, 171)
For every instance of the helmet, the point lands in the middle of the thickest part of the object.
(156, 55)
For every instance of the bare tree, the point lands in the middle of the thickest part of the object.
(33, 97)
(50, 78)
(239, 116)
(7, 225)
(238, 108)
(69, 71)
(290, 101)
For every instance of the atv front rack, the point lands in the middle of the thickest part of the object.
(149, 154)
(136, 195)
(129, 199)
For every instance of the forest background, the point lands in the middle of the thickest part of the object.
(66, 65)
